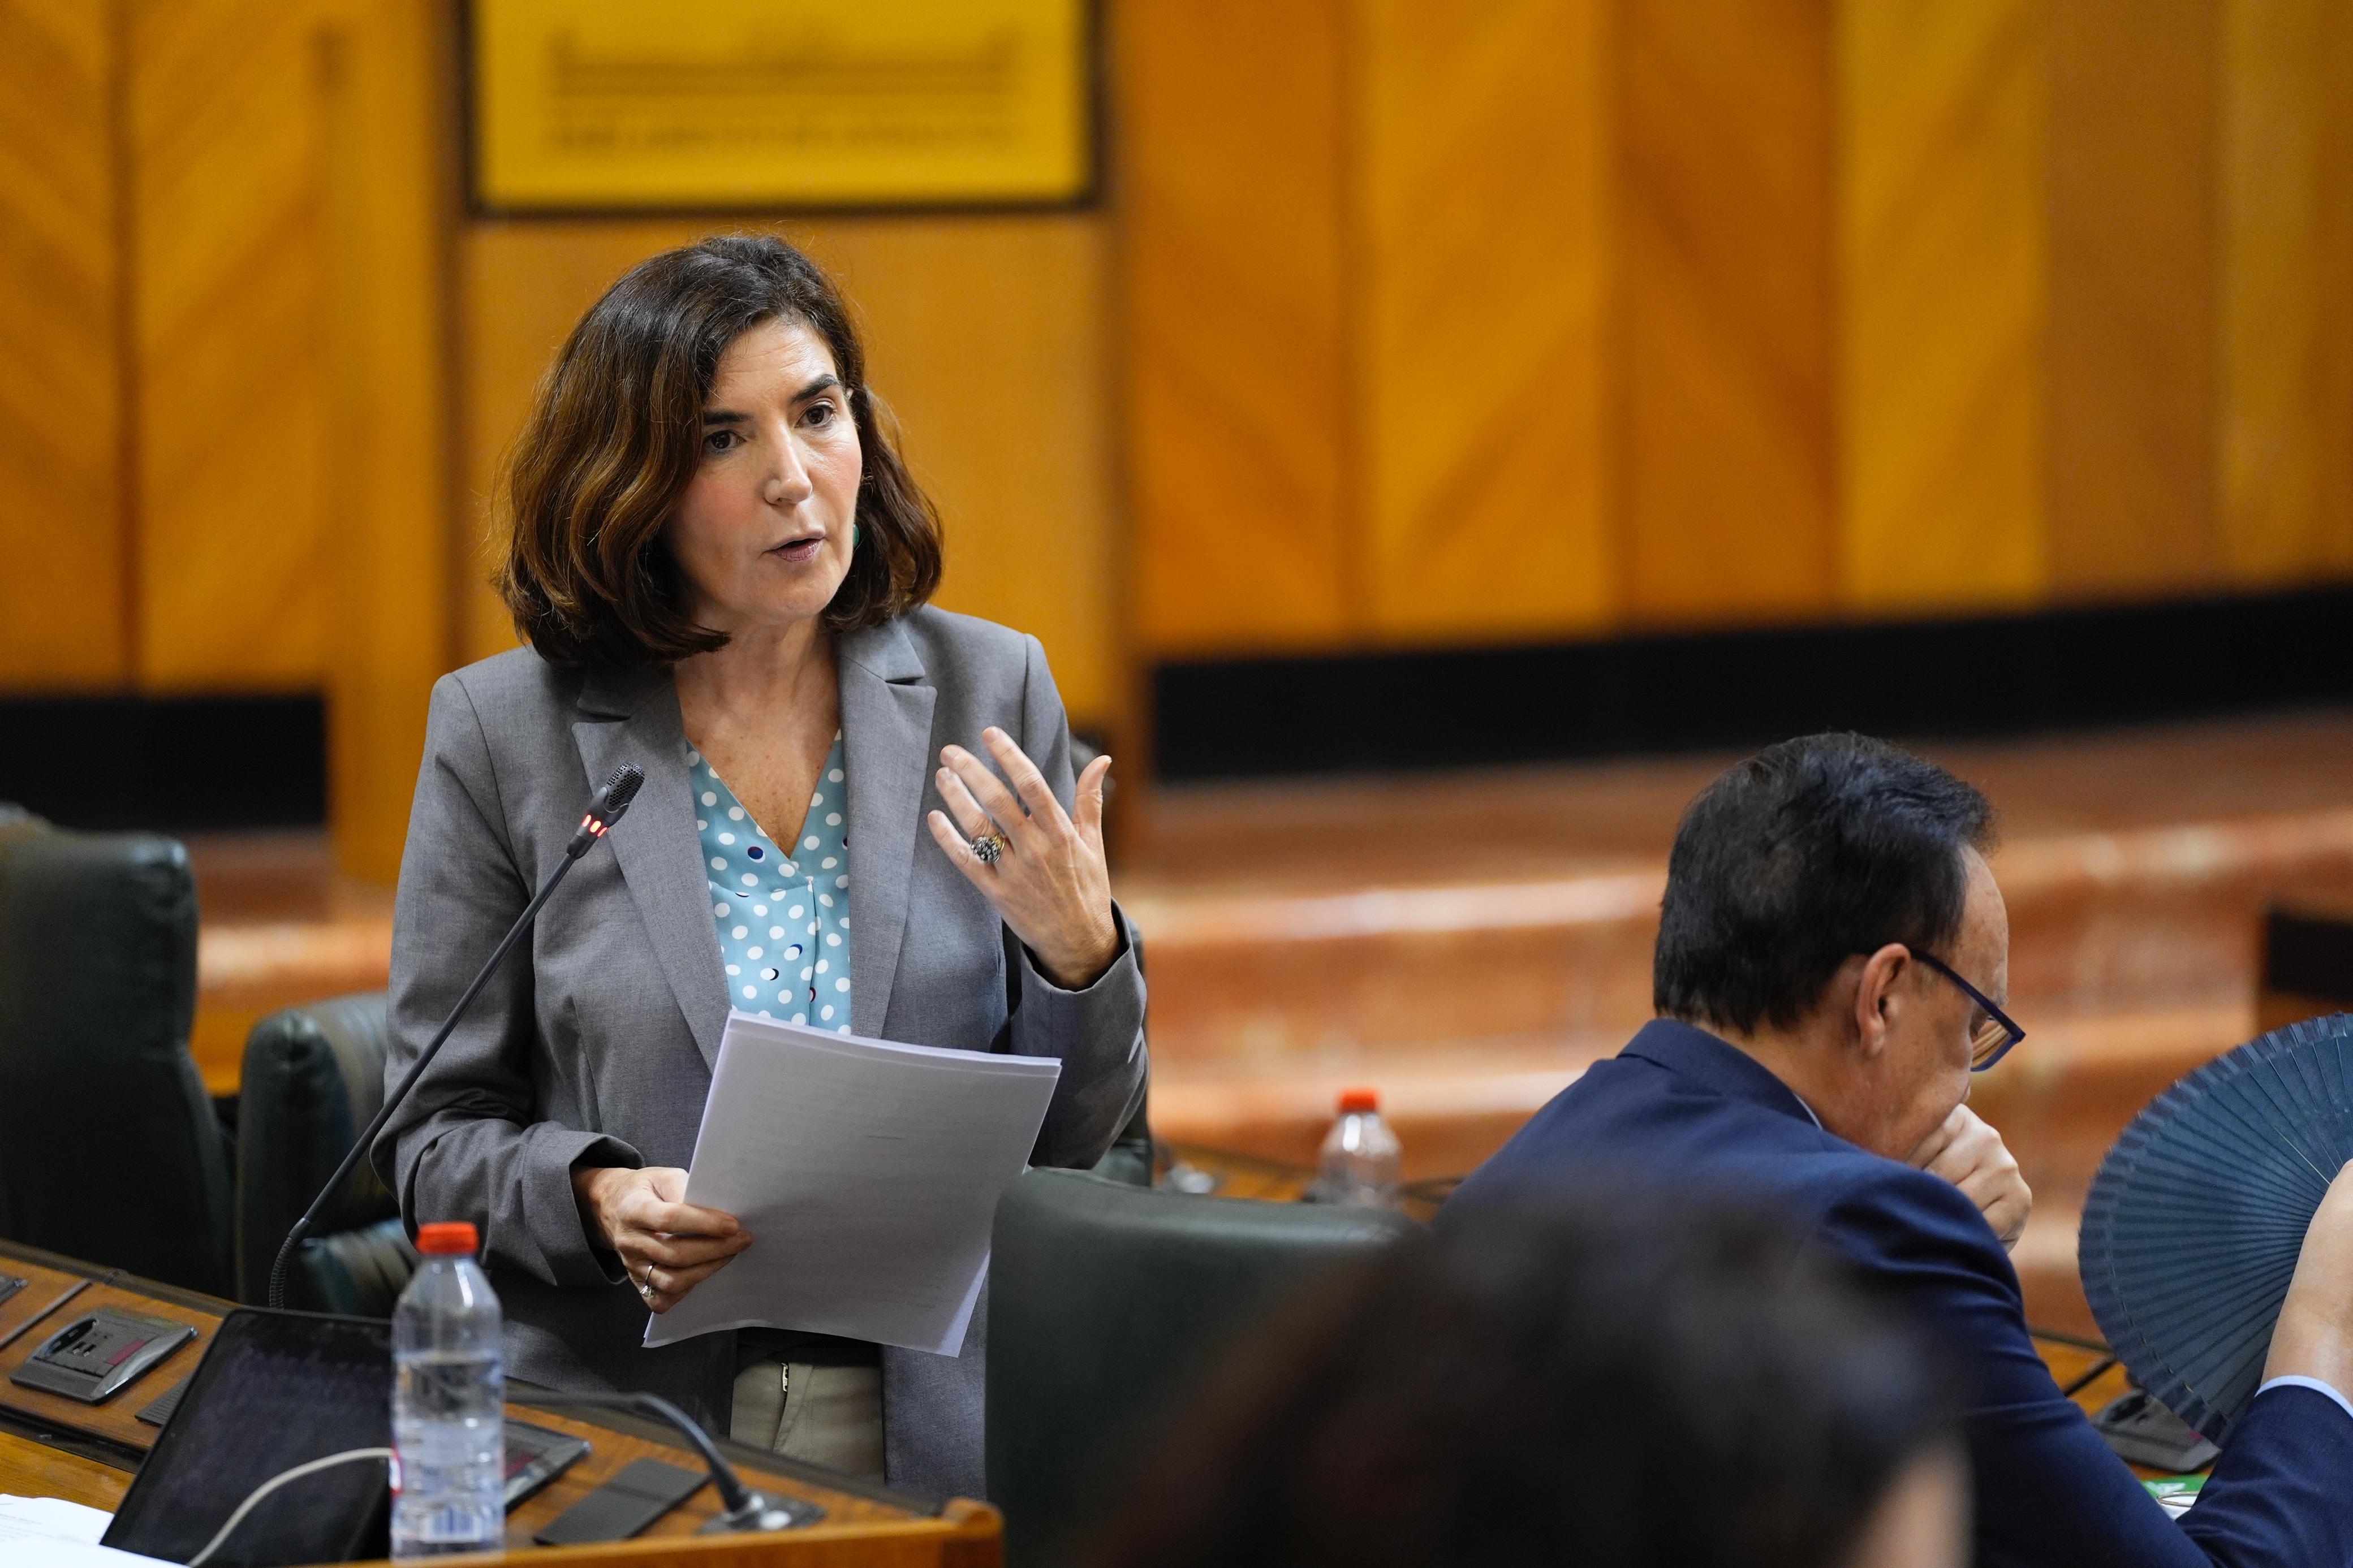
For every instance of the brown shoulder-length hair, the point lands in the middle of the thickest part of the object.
(615, 435)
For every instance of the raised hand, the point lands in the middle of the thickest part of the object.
(1048, 881)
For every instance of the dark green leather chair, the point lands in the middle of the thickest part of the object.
(1107, 1303)
(313, 1076)
(109, 1151)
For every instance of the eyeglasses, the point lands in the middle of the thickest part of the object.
(1990, 1040)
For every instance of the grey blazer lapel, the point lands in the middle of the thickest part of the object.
(634, 718)
(886, 730)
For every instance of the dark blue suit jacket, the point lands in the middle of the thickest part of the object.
(1680, 1105)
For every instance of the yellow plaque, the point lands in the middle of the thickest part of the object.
(604, 105)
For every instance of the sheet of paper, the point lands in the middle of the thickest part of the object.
(44, 1551)
(50, 1518)
(50, 1532)
(867, 1172)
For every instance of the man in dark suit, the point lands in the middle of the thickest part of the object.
(1832, 961)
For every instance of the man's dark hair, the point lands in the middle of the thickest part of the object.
(1619, 1379)
(1806, 854)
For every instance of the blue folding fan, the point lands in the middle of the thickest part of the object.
(2192, 1227)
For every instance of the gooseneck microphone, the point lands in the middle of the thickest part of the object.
(611, 801)
(742, 1510)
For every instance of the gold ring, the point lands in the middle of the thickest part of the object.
(989, 848)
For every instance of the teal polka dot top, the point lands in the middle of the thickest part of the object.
(782, 910)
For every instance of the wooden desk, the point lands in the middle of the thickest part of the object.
(54, 1447)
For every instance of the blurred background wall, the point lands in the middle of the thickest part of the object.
(1442, 325)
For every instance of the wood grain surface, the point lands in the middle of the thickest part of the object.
(1477, 434)
(64, 609)
(2131, 345)
(2286, 329)
(1233, 161)
(30, 1468)
(1726, 300)
(229, 330)
(1941, 262)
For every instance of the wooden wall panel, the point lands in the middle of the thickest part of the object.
(1477, 338)
(63, 610)
(521, 286)
(390, 205)
(1232, 186)
(2286, 307)
(231, 331)
(989, 337)
(1940, 305)
(2131, 374)
(1725, 269)
(992, 339)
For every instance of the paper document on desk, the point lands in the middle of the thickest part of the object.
(867, 1172)
(50, 1532)
(50, 1518)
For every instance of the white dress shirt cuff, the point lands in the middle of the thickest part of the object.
(2314, 1384)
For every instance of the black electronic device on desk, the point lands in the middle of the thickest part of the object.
(100, 1353)
(2140, 1429)
(274, 1391)
(629, 1501)
(535, 1457)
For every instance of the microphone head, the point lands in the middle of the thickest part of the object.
(613, 798)
(620, 790)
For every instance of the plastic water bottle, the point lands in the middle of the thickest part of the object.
(1359, 1162)
(449, 1404)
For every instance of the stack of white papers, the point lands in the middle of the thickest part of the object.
(868, 1174)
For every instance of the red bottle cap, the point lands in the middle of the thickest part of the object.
(1353, 1101)
(447, 1237)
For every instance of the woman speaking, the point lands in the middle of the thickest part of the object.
(857, 813)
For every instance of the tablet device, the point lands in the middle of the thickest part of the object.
(273, 1390)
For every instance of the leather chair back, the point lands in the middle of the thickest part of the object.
(110, 1149)
(1108, 1303)
(313, 1076)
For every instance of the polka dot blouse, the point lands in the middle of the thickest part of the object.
(782, 910)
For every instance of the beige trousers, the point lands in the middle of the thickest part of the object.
(830, 1416)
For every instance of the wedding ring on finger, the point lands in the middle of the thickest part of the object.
(646, 1285)
(989, 848)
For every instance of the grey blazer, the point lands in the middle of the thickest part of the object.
(594, 1044)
